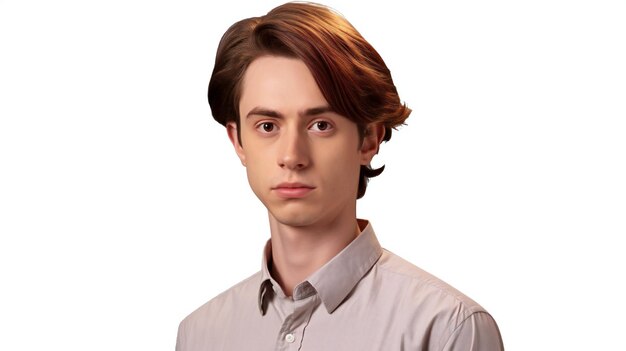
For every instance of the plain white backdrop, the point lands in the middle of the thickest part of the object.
(123, 207)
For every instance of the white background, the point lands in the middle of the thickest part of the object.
(123, 207)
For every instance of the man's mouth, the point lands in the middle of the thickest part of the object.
(293, 190)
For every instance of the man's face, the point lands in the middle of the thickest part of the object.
(302, 159)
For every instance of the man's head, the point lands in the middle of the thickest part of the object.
(350, 74)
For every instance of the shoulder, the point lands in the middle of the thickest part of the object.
(420, 290)
(241, 296)
(432, 309)
(216, 320)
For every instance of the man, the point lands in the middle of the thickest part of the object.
(306, 102)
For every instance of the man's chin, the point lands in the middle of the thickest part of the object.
(297, 222)
(293, 218)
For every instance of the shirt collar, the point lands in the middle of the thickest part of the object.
(333, 281)
(265, 289)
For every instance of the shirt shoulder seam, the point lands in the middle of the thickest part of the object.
(438, 284)
(459, 325)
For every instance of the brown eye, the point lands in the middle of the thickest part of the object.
(267, 127)
(321, 126)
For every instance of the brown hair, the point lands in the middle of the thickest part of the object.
(349, 72)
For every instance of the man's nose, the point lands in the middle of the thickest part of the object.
(294, 150)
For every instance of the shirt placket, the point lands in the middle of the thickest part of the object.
(291, 334)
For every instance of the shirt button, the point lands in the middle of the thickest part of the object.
(290, 338)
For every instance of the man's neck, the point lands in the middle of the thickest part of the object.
(297, 252)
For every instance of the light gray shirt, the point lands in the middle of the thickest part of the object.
(365, 298)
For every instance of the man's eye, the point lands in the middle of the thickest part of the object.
(266, 127)
(321, 126)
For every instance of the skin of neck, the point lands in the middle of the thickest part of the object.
(297, 252)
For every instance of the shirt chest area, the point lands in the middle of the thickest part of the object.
(307, 325)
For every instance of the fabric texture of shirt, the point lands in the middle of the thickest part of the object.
(365, 298)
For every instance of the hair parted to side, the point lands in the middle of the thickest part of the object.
(349, 72)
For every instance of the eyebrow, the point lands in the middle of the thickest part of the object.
(314, 111)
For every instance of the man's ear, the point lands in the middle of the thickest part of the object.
(374, 134)
(231, 129)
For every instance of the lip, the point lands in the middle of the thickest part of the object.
(293, 190)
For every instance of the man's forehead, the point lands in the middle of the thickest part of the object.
(275, 85)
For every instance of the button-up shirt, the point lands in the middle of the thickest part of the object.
(365, 298)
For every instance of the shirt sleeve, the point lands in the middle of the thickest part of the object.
(180, 338)
(479, 332)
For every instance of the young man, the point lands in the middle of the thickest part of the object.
(306, 102)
